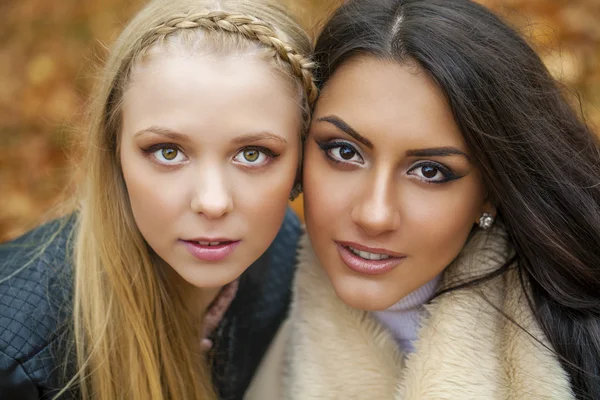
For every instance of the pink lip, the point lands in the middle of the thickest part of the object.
(377, 250)
(368, 267)
(210, 253)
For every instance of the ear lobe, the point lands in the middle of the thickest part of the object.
(487, 208)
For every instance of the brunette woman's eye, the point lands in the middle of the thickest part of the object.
(341, 152)
(432, 172)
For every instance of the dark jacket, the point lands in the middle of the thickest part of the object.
(35, 303)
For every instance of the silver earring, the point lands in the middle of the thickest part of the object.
(486, 221)
(296, 191)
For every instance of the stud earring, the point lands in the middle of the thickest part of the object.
(486, 221)
(296, 191)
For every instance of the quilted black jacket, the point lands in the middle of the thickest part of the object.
(35, 319)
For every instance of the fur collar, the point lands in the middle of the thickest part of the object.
(466, 349)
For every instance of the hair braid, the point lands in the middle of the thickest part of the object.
(250, 27)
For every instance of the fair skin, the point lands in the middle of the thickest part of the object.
(209, 151)
(387, 175)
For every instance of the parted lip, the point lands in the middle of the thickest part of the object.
(376, 250)
(204, 239)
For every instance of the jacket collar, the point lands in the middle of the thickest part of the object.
(466, 347)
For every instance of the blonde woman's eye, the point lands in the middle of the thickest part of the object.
(167, 154)
(254, 156)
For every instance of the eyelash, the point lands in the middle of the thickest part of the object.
(149, 151)
(449, 176)
(267, 152)
(326, 147)
(159, 146)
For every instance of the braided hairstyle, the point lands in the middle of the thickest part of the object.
(132, 335)
(250, 28)
(293, 59)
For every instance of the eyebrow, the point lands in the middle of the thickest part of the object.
(256, 137)
(243, 139)
(437, 152)
(162, 131)
(343, 126)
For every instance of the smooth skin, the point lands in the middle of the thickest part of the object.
(209, 149)
(386, 168)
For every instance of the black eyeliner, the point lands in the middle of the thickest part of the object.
(261, 149)
(326, 146)
(449, 176)
(160, 146)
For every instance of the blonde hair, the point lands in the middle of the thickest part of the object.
(133, 336)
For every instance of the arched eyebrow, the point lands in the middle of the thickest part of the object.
(166, 132)
(438, 152)
(257, 137)
(246, 138)
(445, 151)
(344, 127)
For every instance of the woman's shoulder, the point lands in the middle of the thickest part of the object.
(275, 269)
(254, 317)
(286, 241)
(35, 293)
(268, 280)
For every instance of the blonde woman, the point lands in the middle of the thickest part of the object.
(172, 269)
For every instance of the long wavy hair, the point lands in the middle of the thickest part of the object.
(539, 161)
(133, 337)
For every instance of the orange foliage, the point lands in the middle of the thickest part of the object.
(50, 51)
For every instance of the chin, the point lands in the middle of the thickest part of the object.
(211, 277)
(363, 295)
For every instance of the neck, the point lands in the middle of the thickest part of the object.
(402, 319)
(196, 300)
(199, 299)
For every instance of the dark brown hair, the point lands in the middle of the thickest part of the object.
(539, 161)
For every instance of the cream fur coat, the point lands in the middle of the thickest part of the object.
(466, 349)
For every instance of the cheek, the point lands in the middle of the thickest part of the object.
(441, 221)
(156, 199)
(262, 198)
(327, 192)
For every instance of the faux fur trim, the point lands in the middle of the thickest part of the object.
(466, 348)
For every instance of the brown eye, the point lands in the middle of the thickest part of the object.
(341, 152)
(169, 153)
(429, 172)
(251, 155)
(347, 152)
(433, 172)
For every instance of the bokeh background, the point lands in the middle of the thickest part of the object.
(50, 52)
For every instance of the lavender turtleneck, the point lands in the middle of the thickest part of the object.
(402, 319)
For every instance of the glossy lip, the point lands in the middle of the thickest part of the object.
(377, 250)
(210, 253)
(368, 267)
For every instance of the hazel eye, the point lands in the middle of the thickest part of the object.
(251, 155)
(254, 157)
(168, 155)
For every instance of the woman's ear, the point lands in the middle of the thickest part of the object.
(487, 215)
(487, 208)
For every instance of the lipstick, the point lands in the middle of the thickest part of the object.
(369, 261)
(211, 249)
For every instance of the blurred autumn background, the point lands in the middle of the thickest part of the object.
(50, 52)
